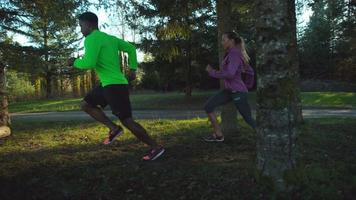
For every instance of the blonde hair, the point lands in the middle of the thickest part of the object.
(245, 56)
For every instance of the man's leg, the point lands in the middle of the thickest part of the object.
(90, 105)
(139, 132)
(155, 151)
(118, 98)
(99, 115)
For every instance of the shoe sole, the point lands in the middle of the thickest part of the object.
(121, 132)
(157, 156)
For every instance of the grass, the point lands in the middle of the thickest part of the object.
(66, 160)
(177, 101)
(329, 99)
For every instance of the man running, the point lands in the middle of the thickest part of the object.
(102, 55)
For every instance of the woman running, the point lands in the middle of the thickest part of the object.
(234, 65)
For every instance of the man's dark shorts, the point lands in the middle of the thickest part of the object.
(116, 96)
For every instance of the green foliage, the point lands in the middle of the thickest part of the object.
(327, 47)
(51, 28)
(151, 78)
(19, 86)
(181, 39)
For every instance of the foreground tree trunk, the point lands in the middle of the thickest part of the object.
(229, 112)
(278, 102)
(4, 113)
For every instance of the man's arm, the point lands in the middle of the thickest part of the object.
(89, 60)
(130, 49)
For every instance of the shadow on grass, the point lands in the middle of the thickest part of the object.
(190, 169)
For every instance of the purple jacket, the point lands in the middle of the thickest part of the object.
(232, 69)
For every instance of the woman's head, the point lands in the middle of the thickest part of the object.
(228, 40)
(232, 39)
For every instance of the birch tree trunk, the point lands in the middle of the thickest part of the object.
(278, 95)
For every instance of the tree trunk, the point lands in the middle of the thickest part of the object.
(94, 80)
(229, 112)
(81, 84)
(88, 81)
(48, 84)
(48, 72)
(278, 96)
(61, 87)
(38, 87)
(76, 86)
(55, 87)
(4, 113)
(188, 84)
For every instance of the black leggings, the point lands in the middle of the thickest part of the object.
(239, 99)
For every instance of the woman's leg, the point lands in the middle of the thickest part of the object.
(221, 98)
(241, 103)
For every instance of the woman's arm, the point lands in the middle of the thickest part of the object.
(234, 63)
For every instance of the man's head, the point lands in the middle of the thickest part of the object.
(88, 22)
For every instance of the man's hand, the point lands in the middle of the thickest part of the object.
(209, 68)
(132, 75)
(70, 61)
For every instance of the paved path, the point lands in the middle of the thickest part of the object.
(165, 114)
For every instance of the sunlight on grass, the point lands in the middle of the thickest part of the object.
(46, 135)
(329, 99)
(177, 101)
(62, 143)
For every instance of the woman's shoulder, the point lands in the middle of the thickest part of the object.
(235, 50)
(235, 53)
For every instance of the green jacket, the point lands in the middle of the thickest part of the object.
(102, 55)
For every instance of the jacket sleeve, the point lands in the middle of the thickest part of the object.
(228, 72)
(89, 60)
(130, 49)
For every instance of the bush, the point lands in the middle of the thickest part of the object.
(18, 86)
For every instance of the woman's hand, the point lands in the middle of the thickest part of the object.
(209, 68)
